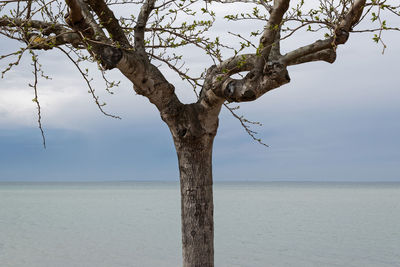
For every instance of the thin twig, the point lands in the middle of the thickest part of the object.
(91, 90)
(36, 100)
(243, 122)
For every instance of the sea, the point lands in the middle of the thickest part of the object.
(257, 224)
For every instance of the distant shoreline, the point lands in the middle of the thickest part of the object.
(150, 182)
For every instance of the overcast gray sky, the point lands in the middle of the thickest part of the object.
(336, 122)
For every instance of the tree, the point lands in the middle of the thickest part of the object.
(88, 30)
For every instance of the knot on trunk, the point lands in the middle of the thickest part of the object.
(181, 132)
(276, 71)
(110, 56)
(230, 90)
(341, 36)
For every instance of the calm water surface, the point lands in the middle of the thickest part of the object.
(137, 224)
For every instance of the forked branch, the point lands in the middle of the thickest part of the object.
(325, 49)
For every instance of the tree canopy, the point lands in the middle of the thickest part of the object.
(165, 32)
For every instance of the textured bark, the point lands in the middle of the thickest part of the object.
(193, 135)
(197, 203)
(273, 26)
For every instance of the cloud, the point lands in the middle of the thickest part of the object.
(332, 122)
(64, 99)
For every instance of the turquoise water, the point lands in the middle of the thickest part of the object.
(256, 224)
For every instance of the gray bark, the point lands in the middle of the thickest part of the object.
(197, 203)
(193, 135)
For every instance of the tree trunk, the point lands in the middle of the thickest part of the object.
(195, 167)
(193, 128)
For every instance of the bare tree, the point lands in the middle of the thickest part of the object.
(89, 30)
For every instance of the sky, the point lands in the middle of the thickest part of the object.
(332, 122)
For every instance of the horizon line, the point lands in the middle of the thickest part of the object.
(215, 181)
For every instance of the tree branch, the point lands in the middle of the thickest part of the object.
(79, 18)
(327, 55)
(36, 99)
(109, 21)
(252, 86)
(147, 79)
(314, 51)
(34, 24)
(237, 64)
(220, 87)
(39, 30)
(93, 36)
(264, 75)
(91, 90)
(140, 27)
(273, 26)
